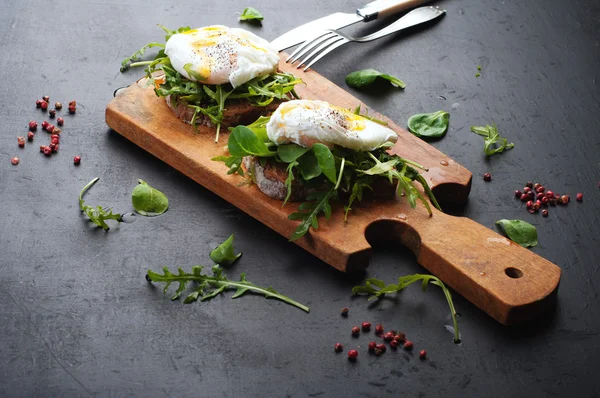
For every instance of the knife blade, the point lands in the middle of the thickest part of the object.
(369, 12)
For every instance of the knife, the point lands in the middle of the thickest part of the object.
(338, 20)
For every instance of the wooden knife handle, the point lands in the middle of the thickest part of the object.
(510, 283)
(385, 8)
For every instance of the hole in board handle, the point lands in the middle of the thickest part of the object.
(514, 273)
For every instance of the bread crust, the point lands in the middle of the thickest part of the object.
(270, 179)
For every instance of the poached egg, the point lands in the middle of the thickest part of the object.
(217, 54)
(306, 122)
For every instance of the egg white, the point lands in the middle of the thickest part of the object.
(221, 55)
(306, 122)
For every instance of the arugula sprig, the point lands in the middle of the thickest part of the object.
(493, 143)
(98, 215)
(328, 173)
(210, 286)
(209, 100)
(376, 288)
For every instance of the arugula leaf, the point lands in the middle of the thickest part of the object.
(366, 77)
(224, 254)
(376, 288)
(233, 162)
(290, 152)
(519, 231)
(138, 54)
(318, 202)
(243, 142)
(194, 75)
(251, 14)
(429, 125)
(289, 180)
(218, 282)
(308, 165)
(326, 161)
(97, 215)
(148, 201)
(259, 128)
(491, 139)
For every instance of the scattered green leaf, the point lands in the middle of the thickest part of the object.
(97, 215)
(376, 288)
(429, 125)
(251, 14)
(519, 231)
(493, 142)
(326, 161)
(224, 254)
(148, 201)
(366, 77)
(477, 74)
(210, 286)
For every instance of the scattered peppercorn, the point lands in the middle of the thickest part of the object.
(77, 160)
(56, 130)
(487, 177)
(388, 336)
(72, 109)
(394, 344)
(527, 189)
(44, 105)
(338, 347)
(529, 204)
(30, 135)
(60, 121)
(15, 161)
(355, 331)
(366, 326)
(408, 345)
(536, 185)
(372, 346)
(540, 189)
(33, 125)
(565, 199)
(540, 195)
(50, 128)
(53, 147)
(42, 148)
(344, 311)
(549, 194)
(52, 113)
(72, 103)
(45, 125)
(518, 194)
(21, 141)
(47, 151)
(58, 106)
(529, 184)
(54, 141)
(579, 197)
(400, 337)
(380, 349)
(545, 213)
(46, 98)
(38, 103)
(422, 354)
(524, 197)
(545, 201)
(379, 328)
(352, 355)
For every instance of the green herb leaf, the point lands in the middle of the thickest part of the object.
(309, 166)
(429, 125)
(243, 142)
(290, 152)
(519, 231)
(326, 161)
(97, 215)
(251, 14)
(317, 202)
(211, 286)
(366, 77)
(376, 288)
(493, 143)
(259, 128)
(224, 254)
(136, 55)
(148, 201)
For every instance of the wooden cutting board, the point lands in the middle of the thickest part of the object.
(510, 283)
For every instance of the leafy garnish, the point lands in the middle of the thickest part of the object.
(97, 215)
(492, 139)
(376, 288)
(148, 201)
(136, 55)
(429, 125)
(211, 286)
(317, 202)
(519, 231)
(251, 14)
(243, 142)
(224, 254)
(366, 77)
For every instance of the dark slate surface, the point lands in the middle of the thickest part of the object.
(77, 317)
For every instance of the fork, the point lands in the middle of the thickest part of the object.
(330, 39)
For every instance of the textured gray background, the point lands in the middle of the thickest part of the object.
(77, 317)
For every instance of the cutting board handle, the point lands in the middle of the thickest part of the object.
(510, 283)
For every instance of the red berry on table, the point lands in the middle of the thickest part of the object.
(52, 113)
(549, 194)
(545, 213)
(47, 151)
(529, 184)
(422, 354)
(579, 197)
(372, 346)
(77, 160)
(352, 355)
(33, 125)
(527, 189)
(388, 336)
(21, 141)
(540, 189)
(518, 193)
(46, 98)
(54, 147)
(58, 106)
(44, 105)
(565, 199)
(50, 128)
(60, 121)
(38, 103)
(355, 331)
(394, 344)
(408, 345)
(366, 326)
(54, 141)
(545, 200)
(30, 135)
(524, 197)
(400, 337)
(72, 109)
(338, 347)
(15, 161)
(72, 103)
(45, 124)
(379, 328)
(380, 349)
(536, 185)
(344, 311)
(487, 177)
(529, 204)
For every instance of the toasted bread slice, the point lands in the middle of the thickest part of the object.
(270, 179)
(236, 112)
